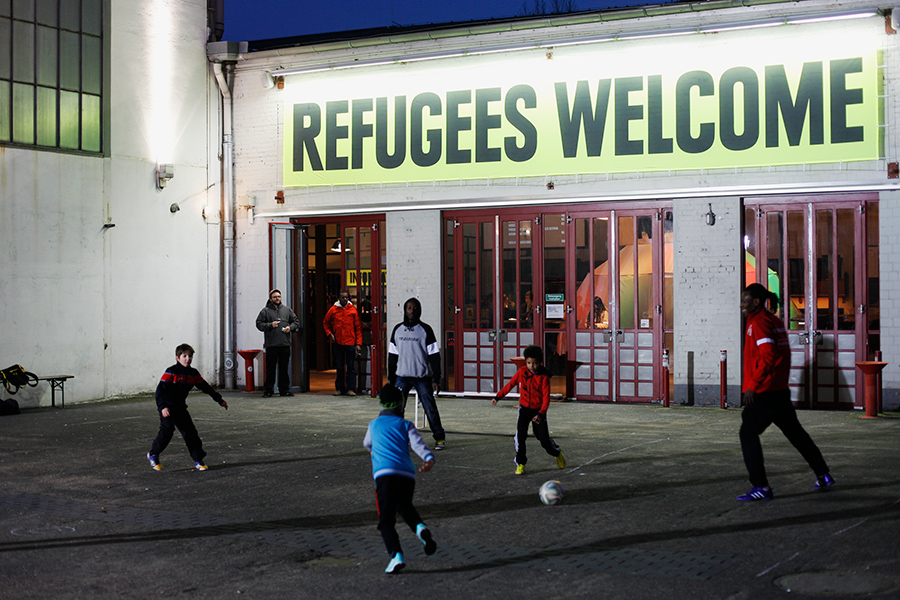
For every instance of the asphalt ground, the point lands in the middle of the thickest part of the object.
(287, 507)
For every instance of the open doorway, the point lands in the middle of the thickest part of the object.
(347, 255)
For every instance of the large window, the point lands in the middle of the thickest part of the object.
(52, 74)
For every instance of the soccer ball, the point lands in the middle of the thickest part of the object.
(551, 492)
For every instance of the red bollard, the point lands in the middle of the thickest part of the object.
(249, 356)
(870, 369)
(665, 377)
(723, 378)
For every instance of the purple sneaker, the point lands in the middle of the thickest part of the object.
(825, 481)
(756, 493)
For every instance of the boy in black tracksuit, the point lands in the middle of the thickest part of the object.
(171, 396)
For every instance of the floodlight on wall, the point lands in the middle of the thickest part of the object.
(163, 174)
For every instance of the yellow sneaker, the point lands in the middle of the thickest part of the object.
(561, 460)
(520, 469)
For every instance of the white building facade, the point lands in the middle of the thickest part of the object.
(603, 184)
(104, 272)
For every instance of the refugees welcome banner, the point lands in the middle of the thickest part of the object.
(782, 96)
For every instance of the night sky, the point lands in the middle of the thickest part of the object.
(247, 20)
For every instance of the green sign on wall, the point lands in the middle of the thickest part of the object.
(778, 96)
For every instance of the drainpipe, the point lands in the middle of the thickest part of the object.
(224, 72)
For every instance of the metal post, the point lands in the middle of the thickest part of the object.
(665, 376)
(723, 376)
(878, 384)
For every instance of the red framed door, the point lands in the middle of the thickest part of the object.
(349, 254)
(818, 255)
(588, 286)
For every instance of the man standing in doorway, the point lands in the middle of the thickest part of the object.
(343, 327)
(414, 360)
(277, 321)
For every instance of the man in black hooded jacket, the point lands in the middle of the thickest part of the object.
(414, 360)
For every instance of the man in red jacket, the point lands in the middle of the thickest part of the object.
(534, 399)
(766, 397)
(343, 327)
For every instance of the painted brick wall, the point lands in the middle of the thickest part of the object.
(889, 260)
(414, 265)
(707, 292)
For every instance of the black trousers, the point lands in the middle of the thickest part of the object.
(394, 495)
(541, 432)
(775, 407)
(277, 359)
(345, 361)
(181, 420)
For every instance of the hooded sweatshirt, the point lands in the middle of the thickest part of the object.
(413, 348)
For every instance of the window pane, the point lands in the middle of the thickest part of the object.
(90, 123)
(68, 14)
(47, 53)
(669, 270)
(486, 258)
(469, 279)
(824, 270)
(68, 119)
(845, 269)
(626, 272)
(23, 59)
(508, 247)
(91, 60)
(583, 283)
(645, 272)
(23, 113)
(526, 296)
(69, 60)
(91, 16)
(47, 13)
(601, 272)
(872, 261)
(5, 8)
(5, 55)
(797, 267)
(4, 111)
(46, 116)
(23, 9)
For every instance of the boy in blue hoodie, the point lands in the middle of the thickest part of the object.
(388, 439)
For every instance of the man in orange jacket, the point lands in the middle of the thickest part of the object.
(343, 327)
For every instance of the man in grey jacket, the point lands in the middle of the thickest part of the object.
(277, 321)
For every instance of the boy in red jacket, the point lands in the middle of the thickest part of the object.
(534, 399)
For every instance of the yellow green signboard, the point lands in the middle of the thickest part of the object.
(782, 96)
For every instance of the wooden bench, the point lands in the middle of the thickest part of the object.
(57, 382)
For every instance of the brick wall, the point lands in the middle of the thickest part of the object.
(707, 290)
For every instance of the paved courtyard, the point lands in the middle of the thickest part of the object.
(287, 507)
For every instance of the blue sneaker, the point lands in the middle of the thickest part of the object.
(756, 493)
(154, 461)
(424, 536)
(396, 565)
(825, 481)
(200, 466)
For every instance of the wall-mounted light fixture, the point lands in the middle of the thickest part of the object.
(710, 217)
(163, 174)
(279, 197)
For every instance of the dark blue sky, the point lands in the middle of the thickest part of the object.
(264, 19)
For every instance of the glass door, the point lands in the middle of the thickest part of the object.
(623, 268)
(816, 256)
